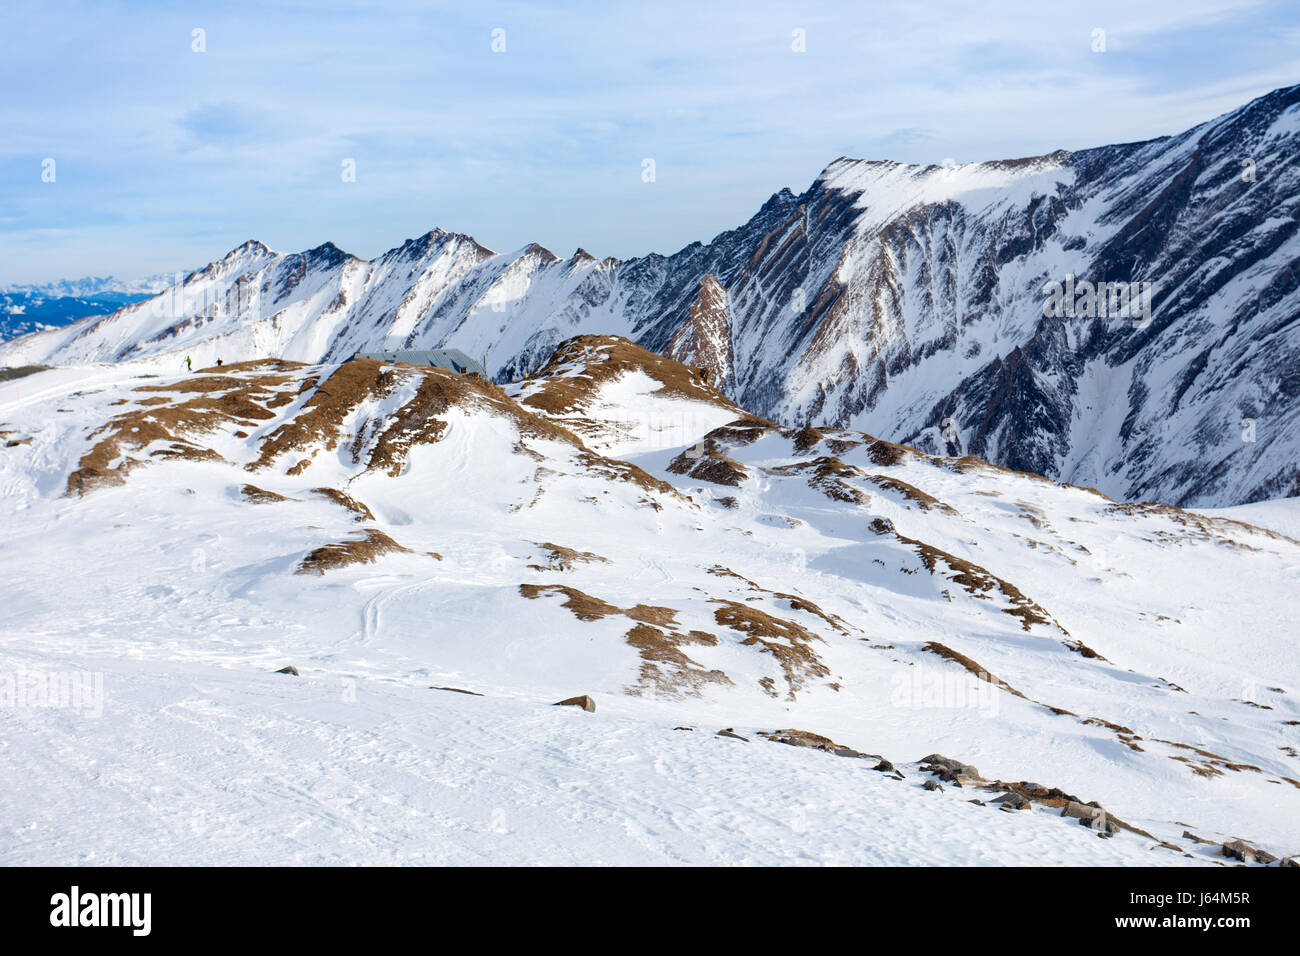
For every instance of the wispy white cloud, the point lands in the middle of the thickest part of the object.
(167, 157)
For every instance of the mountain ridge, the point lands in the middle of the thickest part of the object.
(904, 300)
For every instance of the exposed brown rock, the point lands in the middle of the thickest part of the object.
(583, 700)
(806, 738)
(704, 340)
(1243, 851)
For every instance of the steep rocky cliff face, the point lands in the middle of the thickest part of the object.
(905, 300)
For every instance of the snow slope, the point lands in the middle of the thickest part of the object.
(180, 538)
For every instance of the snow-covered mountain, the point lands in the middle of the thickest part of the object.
(966, 662)
(913, 302)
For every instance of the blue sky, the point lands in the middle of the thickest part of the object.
(167, 158)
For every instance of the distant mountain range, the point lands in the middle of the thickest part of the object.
(91, 286)
(913, 302)
(34, 308)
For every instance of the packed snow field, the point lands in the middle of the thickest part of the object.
(611, 527)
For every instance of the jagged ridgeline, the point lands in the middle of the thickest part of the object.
(908, 301)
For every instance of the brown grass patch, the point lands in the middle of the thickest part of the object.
(560, 558)
(911, 493)
(1197, 527)
(976, 580)
(971, 465)
(743, 431)
(1109, 725)
(828, 475)
(806, 438)
(665, 668)
(319, 422)
(653, 614)
(20, 371)
(1210, 760)
(386, 444)
(886, 453)
(808, 607)
(656, 634)
(1200, 769)
(364, 550)
(218, 383)
(947, 653)
(789, 642)
(321, 418)
(108, 463)
(580, 366)
(797, 602)
(584, 606)
(711, 465)
(619, 470)
(344, 499)
(707, 459)
(260, 496)
(219, 401)
(258, 365)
